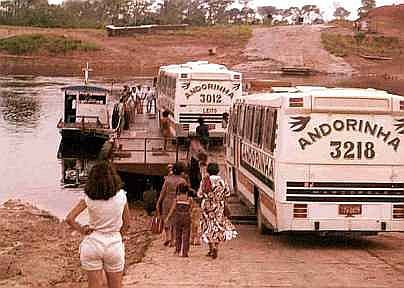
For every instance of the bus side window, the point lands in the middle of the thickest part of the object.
(270, 122)
(249, 123)
(274, 125)
(257, 128)
(240, 123)
(234, 117)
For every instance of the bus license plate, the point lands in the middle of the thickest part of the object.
(350, 209)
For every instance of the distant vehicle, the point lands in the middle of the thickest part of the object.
(319, 159)
(85, 123)
(197, 89)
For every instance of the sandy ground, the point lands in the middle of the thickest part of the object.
(37, 250)
(274, 47)
(255, 260)
(124, 56)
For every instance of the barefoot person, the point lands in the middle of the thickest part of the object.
(165, 128)
(102, 248)
(167, 197)
(216, 227)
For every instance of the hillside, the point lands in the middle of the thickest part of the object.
(385, 38)
(388, 20)
(118, 57)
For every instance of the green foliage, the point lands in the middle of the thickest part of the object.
(359, 37)
(345, 45)
(38, 43)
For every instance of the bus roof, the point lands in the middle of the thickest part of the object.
(197, 67)
(323, 99)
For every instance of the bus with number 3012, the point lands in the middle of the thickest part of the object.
(197, 90)
(319, 159)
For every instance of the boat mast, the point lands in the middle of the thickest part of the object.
(86, 73)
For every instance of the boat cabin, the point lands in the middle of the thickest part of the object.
(85, 108)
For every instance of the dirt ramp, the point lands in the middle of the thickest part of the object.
(274, 47)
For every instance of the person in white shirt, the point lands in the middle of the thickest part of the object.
(102, 249)
(151, 100)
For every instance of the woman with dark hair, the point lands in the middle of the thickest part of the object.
(102, 248)
(167, 197)
(215, 226)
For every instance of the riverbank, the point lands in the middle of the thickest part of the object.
(118, 57)
(38, 250)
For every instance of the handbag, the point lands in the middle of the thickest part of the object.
(157, 225)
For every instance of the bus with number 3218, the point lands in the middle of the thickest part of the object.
(329, 160)
(197, 90)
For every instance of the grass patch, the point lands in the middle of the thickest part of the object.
(48, 44)
(360, 44)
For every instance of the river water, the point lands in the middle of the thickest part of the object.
(29, 169)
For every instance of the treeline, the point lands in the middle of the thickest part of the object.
(98, 13)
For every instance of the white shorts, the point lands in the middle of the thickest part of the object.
(102, 251)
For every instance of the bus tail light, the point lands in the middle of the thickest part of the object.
(295, 102)
(401, 105)
(398, 211)
(185, 127)
(299, 210)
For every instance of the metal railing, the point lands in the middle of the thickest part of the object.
(151, 145)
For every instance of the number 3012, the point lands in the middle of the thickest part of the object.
(350, 150)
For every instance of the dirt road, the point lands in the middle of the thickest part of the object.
(274, 47)
(277, 261)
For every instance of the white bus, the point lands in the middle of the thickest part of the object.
(319, 159)
(197, 90)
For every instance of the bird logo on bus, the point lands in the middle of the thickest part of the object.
(299, 123)
(399, 126)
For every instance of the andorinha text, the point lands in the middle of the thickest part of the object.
(209, 86)
(350, 125)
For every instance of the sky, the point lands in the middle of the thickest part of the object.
(328, 6)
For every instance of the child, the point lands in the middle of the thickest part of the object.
(182, 219)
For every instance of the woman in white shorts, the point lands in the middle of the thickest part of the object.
(102, 248)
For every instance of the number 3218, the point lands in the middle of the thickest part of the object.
(350, 150)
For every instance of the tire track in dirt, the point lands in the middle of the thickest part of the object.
(271, 48)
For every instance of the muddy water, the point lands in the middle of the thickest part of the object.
(29, 169)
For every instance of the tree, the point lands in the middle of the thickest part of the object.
(138, 10)
(367, 5)
(173, 11)
(195, 12)
(267, 13)
(234, 16)
(247, 15)
(216, 10)
(341, 13)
